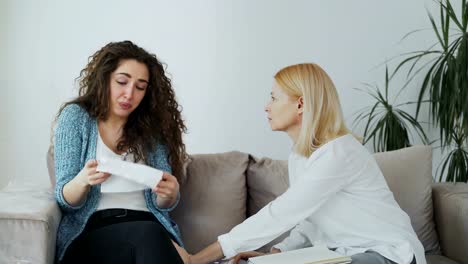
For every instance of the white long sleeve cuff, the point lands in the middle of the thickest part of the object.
(228, 249)
(295, 240)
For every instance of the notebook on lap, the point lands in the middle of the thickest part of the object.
(310, 255)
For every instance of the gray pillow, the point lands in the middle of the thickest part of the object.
(408, 173)
(213, 198)
(266, 180)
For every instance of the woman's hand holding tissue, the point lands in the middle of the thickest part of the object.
(88, 176)
(75, 190)
(167, 190)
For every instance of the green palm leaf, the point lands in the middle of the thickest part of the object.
(387, 126)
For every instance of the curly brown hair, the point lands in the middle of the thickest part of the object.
(158, 117)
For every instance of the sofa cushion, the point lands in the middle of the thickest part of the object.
(408, 173)
(451, 217)
(28, 226)
(213, 197)
(266, 180)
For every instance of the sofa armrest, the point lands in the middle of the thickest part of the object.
(451, 216)
(28, 226)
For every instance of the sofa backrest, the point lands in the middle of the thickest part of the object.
(221, 190)
(51, 164)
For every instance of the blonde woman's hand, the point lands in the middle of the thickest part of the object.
(184, 255)
(246, 255)
(88, 176)
(251, 254)
(274, 250)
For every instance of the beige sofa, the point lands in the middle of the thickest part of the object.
(220, 190)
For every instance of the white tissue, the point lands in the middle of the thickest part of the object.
(134, 172)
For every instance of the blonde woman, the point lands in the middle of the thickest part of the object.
(337, 197)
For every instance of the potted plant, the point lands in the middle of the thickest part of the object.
(445, 83)
(386, 124)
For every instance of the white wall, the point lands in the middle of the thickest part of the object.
(221, 56)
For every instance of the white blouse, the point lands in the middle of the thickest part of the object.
(337, 197)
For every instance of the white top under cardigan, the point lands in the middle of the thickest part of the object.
(117, 192)
(337, 197)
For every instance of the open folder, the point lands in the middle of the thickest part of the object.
(310, 255)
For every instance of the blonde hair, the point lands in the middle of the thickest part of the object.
(322, 118)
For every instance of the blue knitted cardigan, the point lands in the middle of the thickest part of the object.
(75, 143)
